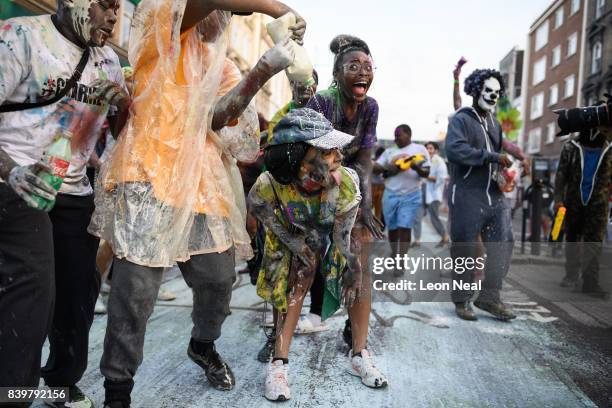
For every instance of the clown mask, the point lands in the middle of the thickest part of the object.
(489, 95)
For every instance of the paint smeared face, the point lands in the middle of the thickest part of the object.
(93, 21)
(302, 93)
(489, 95)
(355, 75)
(319, 169)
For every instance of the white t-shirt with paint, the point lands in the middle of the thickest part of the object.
(406, 181)
(37, 61)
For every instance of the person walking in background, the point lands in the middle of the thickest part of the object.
(403, 197)
(438, 174)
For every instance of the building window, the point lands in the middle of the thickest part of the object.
(539, 71)
(569, 86)
(572, 44)
(596, 57)
(537, 105)
(551, 130)
(541, 36)
(559, 17)
(535, 140)
(574, 7)
(126, 22)
(553, 95)
(556, 56)
(599, 8)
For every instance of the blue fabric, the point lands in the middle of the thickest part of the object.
(591, 158)
(400, 210)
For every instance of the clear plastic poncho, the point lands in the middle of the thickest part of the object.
(171, 188)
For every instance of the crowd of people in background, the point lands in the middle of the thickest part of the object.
(186, 173)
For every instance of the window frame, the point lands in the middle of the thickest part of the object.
(556, 88)
(574, 37)
(552, 57)
(565, 87)
(544, 28)
(533, 114)
(530, 145)
(542, 60)
(550, 136)
(559, 18)
(596, 69)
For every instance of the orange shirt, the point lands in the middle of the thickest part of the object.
(161, 114)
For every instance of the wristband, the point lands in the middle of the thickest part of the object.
(456, 82)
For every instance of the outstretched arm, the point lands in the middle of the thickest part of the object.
(232, 104)
(197, 10)
(456, 90)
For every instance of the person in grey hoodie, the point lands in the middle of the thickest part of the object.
(477, 206)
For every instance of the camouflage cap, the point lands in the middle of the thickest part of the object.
(309, 126)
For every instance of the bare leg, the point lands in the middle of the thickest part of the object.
(285, 323)
(359, 313)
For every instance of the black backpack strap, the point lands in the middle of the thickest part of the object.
(76, 76)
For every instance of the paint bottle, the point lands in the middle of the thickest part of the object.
(301, 68)
(506, 177)
(58, 159)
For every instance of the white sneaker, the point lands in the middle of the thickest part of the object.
(277, 382)
(311, 323)
(100, 308)
(165, 295)
(363, 366)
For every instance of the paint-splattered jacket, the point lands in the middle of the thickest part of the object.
(568, 180)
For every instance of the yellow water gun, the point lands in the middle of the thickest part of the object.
(558, 223)
(406, 162)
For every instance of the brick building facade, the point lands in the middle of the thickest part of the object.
(598, 52)
(553, 73)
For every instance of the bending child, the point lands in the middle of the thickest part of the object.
(308, 203)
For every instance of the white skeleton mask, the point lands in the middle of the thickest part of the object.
(490, 94)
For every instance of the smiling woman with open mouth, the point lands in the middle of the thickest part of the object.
(350, 110)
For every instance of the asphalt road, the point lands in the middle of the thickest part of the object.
(557, 353)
